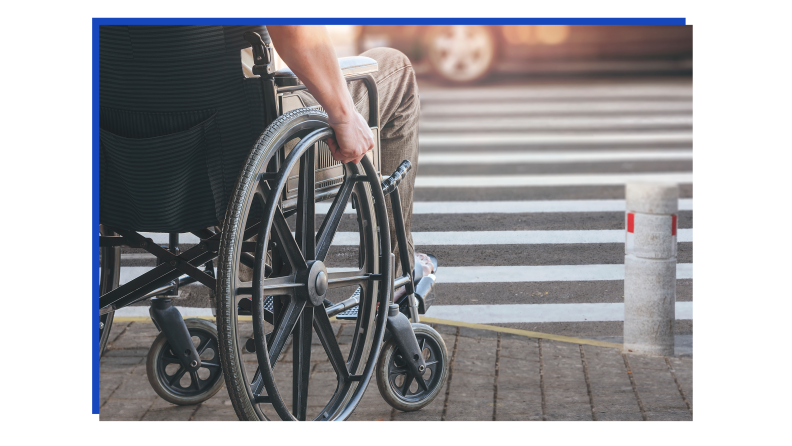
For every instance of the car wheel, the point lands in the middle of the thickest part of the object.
(461, 53)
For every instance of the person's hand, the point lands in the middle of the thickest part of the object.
(352, 140)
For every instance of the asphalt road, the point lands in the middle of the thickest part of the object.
(542, 166)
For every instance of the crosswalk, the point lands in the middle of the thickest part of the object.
(520, 194)
(531, 151)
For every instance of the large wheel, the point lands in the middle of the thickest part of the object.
(109, 273)
(398, 386)
(293, 269)
(461, 53)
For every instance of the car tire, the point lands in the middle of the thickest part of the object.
(461, 53)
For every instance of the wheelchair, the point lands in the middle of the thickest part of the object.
(275, 285)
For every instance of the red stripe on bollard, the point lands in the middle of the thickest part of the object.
(673, 224)
(631, 222)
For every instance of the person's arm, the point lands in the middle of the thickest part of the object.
(307, 50)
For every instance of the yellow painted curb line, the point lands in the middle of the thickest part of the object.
(495, 328)
(526, 333)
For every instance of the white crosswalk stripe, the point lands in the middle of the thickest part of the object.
(523, 124)
(459, 238)
(466, 181)
(542, 313)
(486, 140)
(553, 108)
(490, 157)
(510, 207)
(609, 91)
(541, 273)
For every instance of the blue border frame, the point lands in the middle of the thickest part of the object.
(277, 21)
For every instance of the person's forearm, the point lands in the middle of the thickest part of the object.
(308, 51)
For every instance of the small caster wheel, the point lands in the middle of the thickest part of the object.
(170, 379)
(398, 386)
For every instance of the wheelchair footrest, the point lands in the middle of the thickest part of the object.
(352, 313)
(424, 293)
(348, 315)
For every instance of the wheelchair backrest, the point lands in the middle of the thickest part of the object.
(177, 120)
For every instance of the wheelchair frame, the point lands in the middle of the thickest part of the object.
(175, 269)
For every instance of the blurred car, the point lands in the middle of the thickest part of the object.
(469, 53)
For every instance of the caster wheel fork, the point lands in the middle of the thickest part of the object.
(398, 386)
(171, 380)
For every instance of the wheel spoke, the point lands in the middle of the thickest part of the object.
(196, 382)
(306, 202)
(326, 335)
(243, 288)
(203, 345)
(286, 242)
(209, 364)
(167, 359)
(330, 224)
(346, 278)
(279, 286)
(301, 372)
(177, 376)
(407, 382)
(422, 384)
(285, 328)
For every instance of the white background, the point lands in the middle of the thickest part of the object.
(742, 168)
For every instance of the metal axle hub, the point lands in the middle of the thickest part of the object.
(315, 279)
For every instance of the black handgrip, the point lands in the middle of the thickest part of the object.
(392, 182)
(260, 53)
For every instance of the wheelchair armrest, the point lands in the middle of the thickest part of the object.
(350, 66)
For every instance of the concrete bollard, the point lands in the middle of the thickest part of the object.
(650, 268)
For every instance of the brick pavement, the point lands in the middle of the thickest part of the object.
(492, 376)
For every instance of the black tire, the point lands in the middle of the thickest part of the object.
(406, 395)
(169, 386)
(461, 54)
(246, 388)
(109, 273)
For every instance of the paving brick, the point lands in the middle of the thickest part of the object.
(120, 364)
(372, 407)
(162, 410)
(134, 387)
(214, 413)
(476, 333)
(476, 355)
(683, 368)
(614, 398)
(124, 410)
(657, 389)
(131, 352)
(566, 394)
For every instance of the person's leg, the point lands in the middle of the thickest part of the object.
(399, 108)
